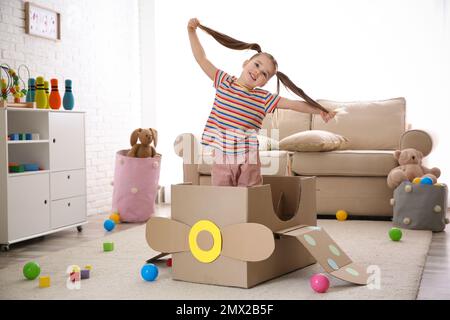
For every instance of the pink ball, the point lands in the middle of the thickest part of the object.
(319, 283)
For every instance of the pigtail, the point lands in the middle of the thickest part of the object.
(239, 45)
(291, 86)
(230, 42)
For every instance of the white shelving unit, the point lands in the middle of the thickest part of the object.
(36, 203)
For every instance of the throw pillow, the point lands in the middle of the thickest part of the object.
(313, 141)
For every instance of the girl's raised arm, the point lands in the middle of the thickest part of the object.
(198, 51)
(301, 106)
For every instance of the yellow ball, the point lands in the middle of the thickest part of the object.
(416, 180)
(115, 217)
(341, 215)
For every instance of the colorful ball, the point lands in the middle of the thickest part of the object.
(319, 283)
(416, 180)
(31, 270)
(149, 272)
(109, 225)
(115, 217)
(341, 215)
(426, 180)
(395, 234)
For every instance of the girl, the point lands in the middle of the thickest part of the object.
(240, 107)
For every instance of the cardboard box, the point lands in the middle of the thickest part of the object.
(240, 237)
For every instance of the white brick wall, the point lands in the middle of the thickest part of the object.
(99, 51)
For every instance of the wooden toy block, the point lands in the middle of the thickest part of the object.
(16, 168)
(31, 167)
(88, 267)
(85, 274)
(108, 246)
(44, 281)
(14, 136)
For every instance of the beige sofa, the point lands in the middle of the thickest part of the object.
(353, 179)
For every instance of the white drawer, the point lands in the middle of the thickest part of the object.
(67, 184)
(68, 211)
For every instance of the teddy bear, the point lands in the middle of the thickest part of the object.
(143, 149)
(410, 167)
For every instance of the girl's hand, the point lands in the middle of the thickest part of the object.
(193, 24)
(327, 116)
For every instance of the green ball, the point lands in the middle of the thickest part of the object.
(395, 234)
(31, 270)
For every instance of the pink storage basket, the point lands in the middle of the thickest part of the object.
(135, 186)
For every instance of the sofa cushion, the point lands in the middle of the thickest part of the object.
(369, 125)
(313, 140)
(370, 163)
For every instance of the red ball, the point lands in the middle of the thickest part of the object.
(319, 283)
(169, 262)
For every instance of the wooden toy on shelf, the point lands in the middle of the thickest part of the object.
(11, 85)
(41, 98)
(68, 99)
(54, 98)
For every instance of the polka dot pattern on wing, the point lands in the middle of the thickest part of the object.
(334, 250)
(309, 239)
(352, 271)
(332, 264)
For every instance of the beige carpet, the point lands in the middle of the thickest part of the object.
(116, 275)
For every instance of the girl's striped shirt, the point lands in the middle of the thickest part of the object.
(237, 115)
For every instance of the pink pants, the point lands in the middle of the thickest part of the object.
(236, 170)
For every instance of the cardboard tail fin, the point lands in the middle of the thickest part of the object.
(328, 254)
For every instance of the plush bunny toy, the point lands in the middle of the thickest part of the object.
(143, 149)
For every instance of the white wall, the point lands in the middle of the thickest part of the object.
(339, 50)
(99, 51)
(148, 62)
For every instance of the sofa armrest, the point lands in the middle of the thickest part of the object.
(186, 146)
(417, 139)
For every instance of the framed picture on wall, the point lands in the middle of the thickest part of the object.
(42, 22)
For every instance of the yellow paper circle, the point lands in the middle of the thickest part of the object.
(205, 256)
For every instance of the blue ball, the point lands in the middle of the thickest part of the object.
(149, 272)
(426, 180)
(109, 225)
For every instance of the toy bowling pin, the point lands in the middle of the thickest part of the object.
(47, 93)
(41, 99)
(31, 90)
(68, 100)
(54, 99)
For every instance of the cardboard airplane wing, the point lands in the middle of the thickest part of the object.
(327, 253)
(243, 241)
(248, 242)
